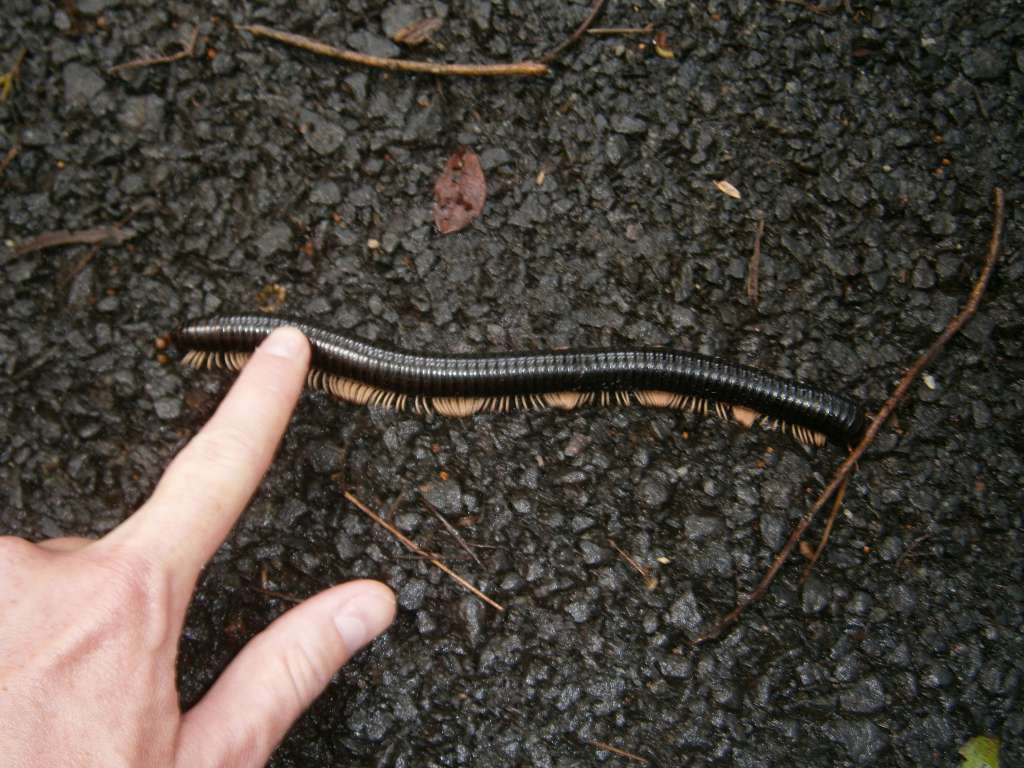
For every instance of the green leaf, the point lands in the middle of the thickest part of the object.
(980, 752)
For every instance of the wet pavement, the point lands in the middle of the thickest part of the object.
(868, 138)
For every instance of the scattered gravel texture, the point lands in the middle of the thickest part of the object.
(870, 140)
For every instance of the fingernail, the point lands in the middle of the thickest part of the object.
(364, 617)
(283, 343)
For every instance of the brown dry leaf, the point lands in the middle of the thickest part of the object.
(460, 192)
(418, 32)
(727, 188)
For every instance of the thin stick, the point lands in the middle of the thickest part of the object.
(981, 102)
(278, 595)
(451, 529)
(430, 555)
(513, 69)
(837, 504)
(554, 53)
(8, 78)
(615, 31)
(605, 746)
(754, 267)
(412, 546)
(897, 396)
(109, 235)
(184, 53)
(649, 581)
(910, 549)
(393, 506)
(69, 277)
(9, 158)
(44, 359)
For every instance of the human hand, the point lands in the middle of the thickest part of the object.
(89, 629)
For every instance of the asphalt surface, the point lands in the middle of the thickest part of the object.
(868, 137)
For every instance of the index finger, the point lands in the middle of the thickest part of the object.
(209, 483)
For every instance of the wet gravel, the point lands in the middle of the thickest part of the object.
(870, 140)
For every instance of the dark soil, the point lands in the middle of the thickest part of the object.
(870, 137)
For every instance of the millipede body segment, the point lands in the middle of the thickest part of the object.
(461, 385)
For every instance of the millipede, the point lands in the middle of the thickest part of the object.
(464, 384)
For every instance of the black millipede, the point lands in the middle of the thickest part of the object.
(460, 385)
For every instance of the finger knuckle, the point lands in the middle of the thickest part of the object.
(239, 745)
(137, 587)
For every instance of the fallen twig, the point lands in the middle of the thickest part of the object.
(9, 158)
(649, 581)
(68, 277)
(413, 547)
(512, 69)
(837, 504)
(278, 595)
(897, 396)
(8, 78)
(912, 546)
(603, 745)
(754, 267)
(981, 102)
(554, 53)
(184, 53)
(451, 529)
(615, 31)
(108, 235)
(34, 366)
(427, 555)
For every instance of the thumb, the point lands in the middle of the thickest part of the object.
(278, 674)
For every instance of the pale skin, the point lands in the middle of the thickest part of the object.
(89, 629)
